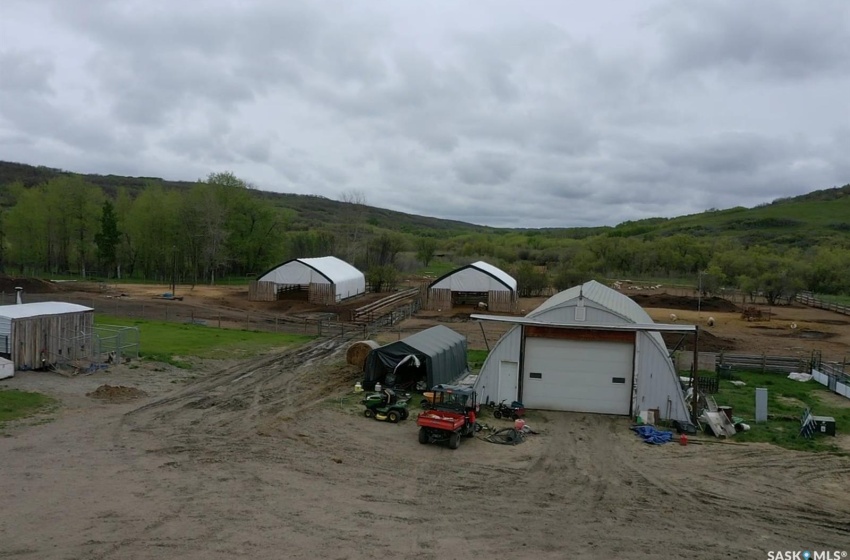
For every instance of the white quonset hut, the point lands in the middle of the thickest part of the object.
(327, 280)
(474, 284)
(37, 335)
(586, 349)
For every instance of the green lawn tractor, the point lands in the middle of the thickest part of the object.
(386, 405)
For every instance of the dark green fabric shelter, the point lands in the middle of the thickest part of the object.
(439, 351)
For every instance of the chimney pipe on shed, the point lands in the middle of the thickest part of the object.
(18, 299)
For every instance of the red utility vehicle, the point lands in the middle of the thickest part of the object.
(448, 416)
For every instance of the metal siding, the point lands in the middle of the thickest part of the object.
(657, 380)
(39, 309)
(507, 348)
(5, 335)
(577, 375)
(655, 376)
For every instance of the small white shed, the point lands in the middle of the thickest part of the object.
(476, 284)
(327, 280)
(36, 335)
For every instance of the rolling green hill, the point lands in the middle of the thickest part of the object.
(801, 221)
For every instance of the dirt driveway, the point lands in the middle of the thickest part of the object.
(252, 461)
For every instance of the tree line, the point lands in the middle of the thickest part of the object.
(222, 227)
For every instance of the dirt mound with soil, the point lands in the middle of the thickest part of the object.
(689, 303)
(707, 342)
(116, 393)
(30, 285)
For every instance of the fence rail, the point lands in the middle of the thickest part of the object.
(328, 324)
(807, 298)
(765, 363)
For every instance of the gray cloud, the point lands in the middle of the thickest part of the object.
(526, 116)
(484, 169)
(25, 73)
(766, 38)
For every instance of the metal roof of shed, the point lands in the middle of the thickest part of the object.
(601, 294)
(39, 309)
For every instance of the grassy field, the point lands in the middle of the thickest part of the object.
(840, 300)
(476, 358)
(16, 404)
(173, 342)
(786, 399)
(437, 268)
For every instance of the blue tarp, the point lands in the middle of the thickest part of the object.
(653, 436)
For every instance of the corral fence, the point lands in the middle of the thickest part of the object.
(833, 376)
(766, 363)
(117, 343)
(809, 299)
(388, 312)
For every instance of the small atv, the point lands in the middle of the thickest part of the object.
(515, 410)
(386, 406)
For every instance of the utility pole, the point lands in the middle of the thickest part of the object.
(173, 269)
(699, 293)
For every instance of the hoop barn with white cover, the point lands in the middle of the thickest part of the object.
(479, 284)
(328, 280)
(586, 349)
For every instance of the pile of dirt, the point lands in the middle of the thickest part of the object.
(30, 285)
(688, 303)
(707, 342)
(116, 393)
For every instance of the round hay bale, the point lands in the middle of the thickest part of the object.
(357, 352)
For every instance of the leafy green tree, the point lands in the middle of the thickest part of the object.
(382, 278)
(107, 239)
(82, 204)
(382, 250)
(27, 232)
(155, 227)
(305, 244)
(425, 249)
(125, 251)
(530, 282)
(567, 276)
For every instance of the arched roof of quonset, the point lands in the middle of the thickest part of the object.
(320, 270)
(476, 277)
(600, 294)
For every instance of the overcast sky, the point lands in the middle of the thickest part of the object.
(506, 113)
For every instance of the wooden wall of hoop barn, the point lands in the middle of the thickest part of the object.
(324, 294)
(262, 291)
(49, 336)
(501, 301)
(438, 299)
